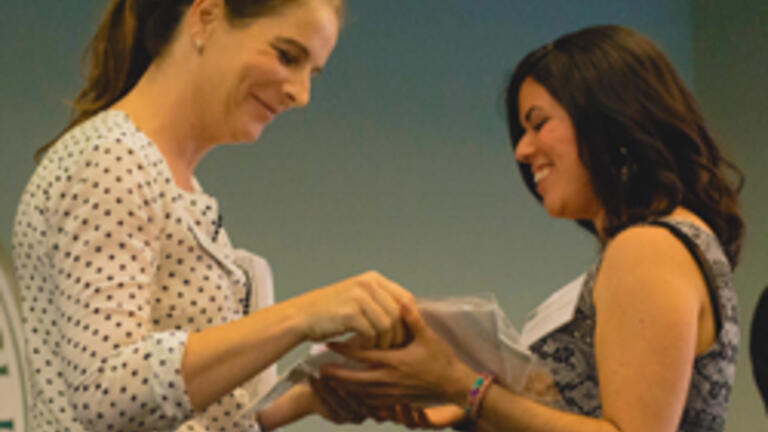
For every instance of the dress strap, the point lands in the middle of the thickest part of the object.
(704, 266)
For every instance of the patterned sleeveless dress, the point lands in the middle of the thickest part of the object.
(568, 356)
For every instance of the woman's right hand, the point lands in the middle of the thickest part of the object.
(367, 305)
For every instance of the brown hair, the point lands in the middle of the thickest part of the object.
(131, 35)
(640, 133)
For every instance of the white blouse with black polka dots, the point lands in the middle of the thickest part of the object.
(117, 266)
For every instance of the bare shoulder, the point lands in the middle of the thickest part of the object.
(646, 260)
(649, 241)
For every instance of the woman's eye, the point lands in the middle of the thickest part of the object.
(540, 124)
(285, 57)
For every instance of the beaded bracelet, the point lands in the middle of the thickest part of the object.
(478, 399)
(474, 399)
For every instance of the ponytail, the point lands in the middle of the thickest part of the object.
(131, 34)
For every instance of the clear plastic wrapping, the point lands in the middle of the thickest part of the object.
(475, 326)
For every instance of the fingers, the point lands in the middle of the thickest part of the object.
(405, 415)
(374, 400)
(413, 319)
(383, 413)
(381, 394)
(367, 304)
(355, 375)
(370, 357)
(384, 395)
(340, 409)
(418, 417)
(372, 319)
(397, 413)
(400, 294)
(382, 315)
(365, 332)
(390, 297)
(403, 298)
(347, 402)
(422, 420)
(392, 331)
(444, 415)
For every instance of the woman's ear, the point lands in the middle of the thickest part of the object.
(201, 19)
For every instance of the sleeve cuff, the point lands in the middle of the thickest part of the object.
(164, 357)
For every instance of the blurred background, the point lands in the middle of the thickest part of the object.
(401, 163)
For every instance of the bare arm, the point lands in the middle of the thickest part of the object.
(504, 410)
(654, 316)
(218, 359)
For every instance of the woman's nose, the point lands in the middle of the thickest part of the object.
(298, 90)
(524, 148)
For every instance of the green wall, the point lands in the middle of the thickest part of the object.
(401, 162)
(731, 64)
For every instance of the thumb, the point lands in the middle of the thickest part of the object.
(413, 319)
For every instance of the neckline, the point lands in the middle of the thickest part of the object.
(198, 191)
(688, 223)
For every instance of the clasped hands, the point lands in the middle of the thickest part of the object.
(411, 376)
(418, 381)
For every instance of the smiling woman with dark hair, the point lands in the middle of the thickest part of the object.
(638, 130)
(605, 133)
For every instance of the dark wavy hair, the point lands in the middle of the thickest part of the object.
(639, 131)
(132, 34)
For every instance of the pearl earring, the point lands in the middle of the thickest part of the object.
(199, 46)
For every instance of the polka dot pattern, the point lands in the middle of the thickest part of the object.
(117, 266)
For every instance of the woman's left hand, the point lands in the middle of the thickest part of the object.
(425, 370)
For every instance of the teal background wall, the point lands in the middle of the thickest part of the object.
(730, 66)
(401, 162)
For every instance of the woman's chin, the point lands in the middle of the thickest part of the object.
(552, 209)
(557, 211)
(562, 212)
(247, 134)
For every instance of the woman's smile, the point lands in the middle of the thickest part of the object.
(268, 111)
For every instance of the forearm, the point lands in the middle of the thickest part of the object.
(219, 359)
(504, 410)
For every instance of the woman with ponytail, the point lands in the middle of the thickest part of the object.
(139, 314)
